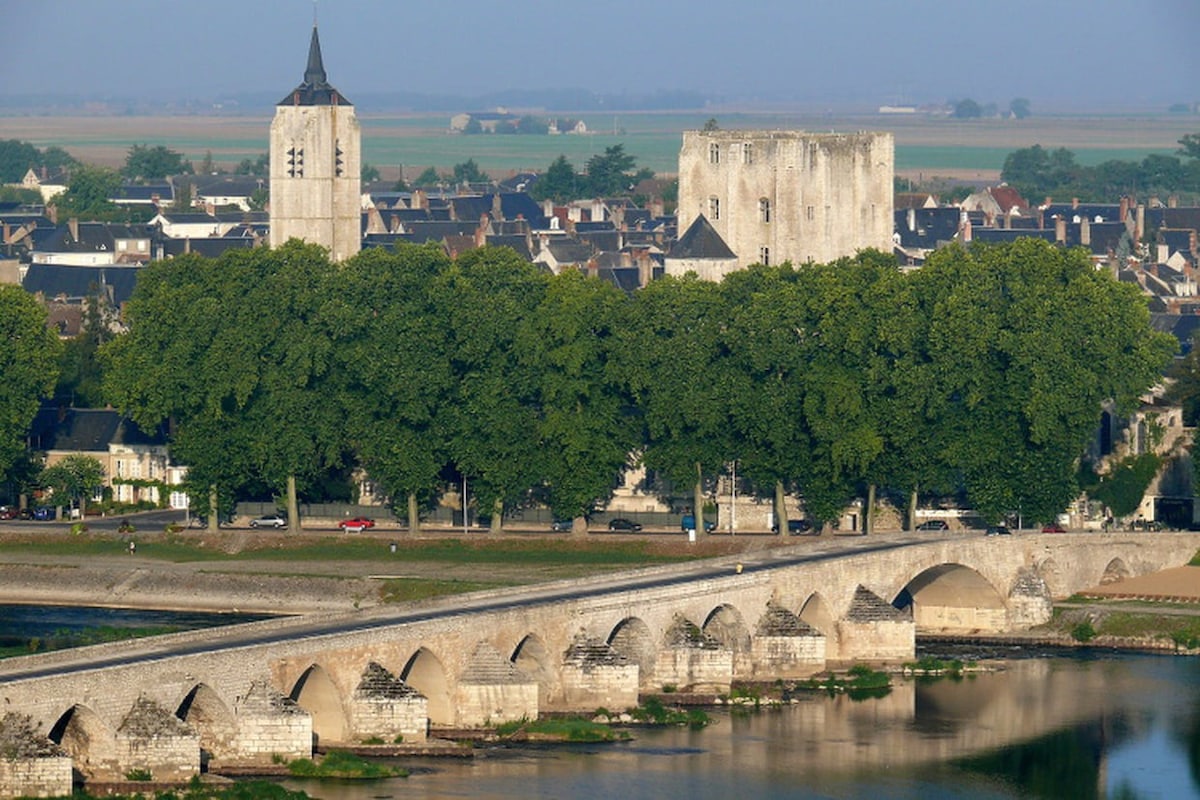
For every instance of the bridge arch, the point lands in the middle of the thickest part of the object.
(533, 660)
(953, 597)
(1115, 571)
(727, 627)
(426, 673)
(317, 694)
(632, 638)
(90, 743)
(207, 713)
(817, 612)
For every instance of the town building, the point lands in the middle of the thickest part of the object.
(775, 196)
(316, 162)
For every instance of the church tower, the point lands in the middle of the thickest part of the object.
(316, 160)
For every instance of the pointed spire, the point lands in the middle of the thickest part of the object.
(315, 90)
(314, 74)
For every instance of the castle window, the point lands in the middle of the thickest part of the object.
(714, 208)
(747, 153)
(714, 153)
(764, 256)
(764, 210)
(808, 213)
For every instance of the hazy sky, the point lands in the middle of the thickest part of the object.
(1069, 54)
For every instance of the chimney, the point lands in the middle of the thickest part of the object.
(964, 227)
(497, 207)
(1085, 232)
(7, 234)
(73, 226)
(1074, 203)
(1060, 229)
(420, 199)
(645, 270)
(1124, 208)
(1140, 231)
(1173, 201)
(911, 219)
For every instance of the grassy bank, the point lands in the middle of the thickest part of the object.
(1122, 623)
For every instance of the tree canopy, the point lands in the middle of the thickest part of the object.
(150, 163)
(983, 373)
(29, 354)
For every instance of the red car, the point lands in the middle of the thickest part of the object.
(1053, 527)
(356, 524)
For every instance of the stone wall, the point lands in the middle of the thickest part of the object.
(47, 776)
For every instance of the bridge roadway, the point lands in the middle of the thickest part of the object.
(245, 695)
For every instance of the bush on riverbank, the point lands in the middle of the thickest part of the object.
(560, 729)
(343, 766)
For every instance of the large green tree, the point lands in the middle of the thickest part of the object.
(560, 183)
(393, 368)
(584, 428)
(149, 163)
(29, 354)
(73, 479)
(613, 173)
(240, 349)
(486, 298)
(1023, 363)
(673, 357)
(87, 196)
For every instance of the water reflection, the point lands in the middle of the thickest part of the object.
(1121, 727)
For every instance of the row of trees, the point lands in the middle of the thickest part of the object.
(982, 372)
(1037, 172)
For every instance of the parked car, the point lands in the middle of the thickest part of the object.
(997, 530)
(622, 524)
(562, 525)
(1053, 527)
(934, 525)
(688, 523)
(8, 512)
(356, 524)
(796, 527)
(269, 521)
(44, 513)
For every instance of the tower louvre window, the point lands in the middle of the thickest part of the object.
(295, 162)
(339, 164)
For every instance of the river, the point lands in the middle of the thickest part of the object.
(1092, 726)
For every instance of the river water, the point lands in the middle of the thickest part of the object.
(1094, 726)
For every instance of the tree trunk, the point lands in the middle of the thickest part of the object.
(781, 520)
(912, 509)
(293, 508)
(414, 514)
(497, 525)
(579, 526)
(869, 511)
(698, 500)
(214, 509)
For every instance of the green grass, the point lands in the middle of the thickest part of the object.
(566, 729)
(65, 639)
(403, 590)
(332, 548)
(344, 766)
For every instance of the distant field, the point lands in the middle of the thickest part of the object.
(925, 146)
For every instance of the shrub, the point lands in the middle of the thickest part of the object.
(1083, 632)
(138, 775)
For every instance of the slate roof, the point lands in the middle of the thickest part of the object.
(421, 232)
(926, 227)
(86, 430)
(519, 204)
(600, 240)
(315, 90)
(94, 237)
(701, 240)
(627, 279)
(227, 185)
(516, 242)
(1108, 212)
(54, 280)
(1182, 326)
(208, 246)
(570, 251)
(870, 607)
(385, 239)
(138, 193)
(1188, 217)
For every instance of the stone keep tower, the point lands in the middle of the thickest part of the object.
(775, 196)
(316, 160)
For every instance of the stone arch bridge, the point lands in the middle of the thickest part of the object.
(250, 694)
